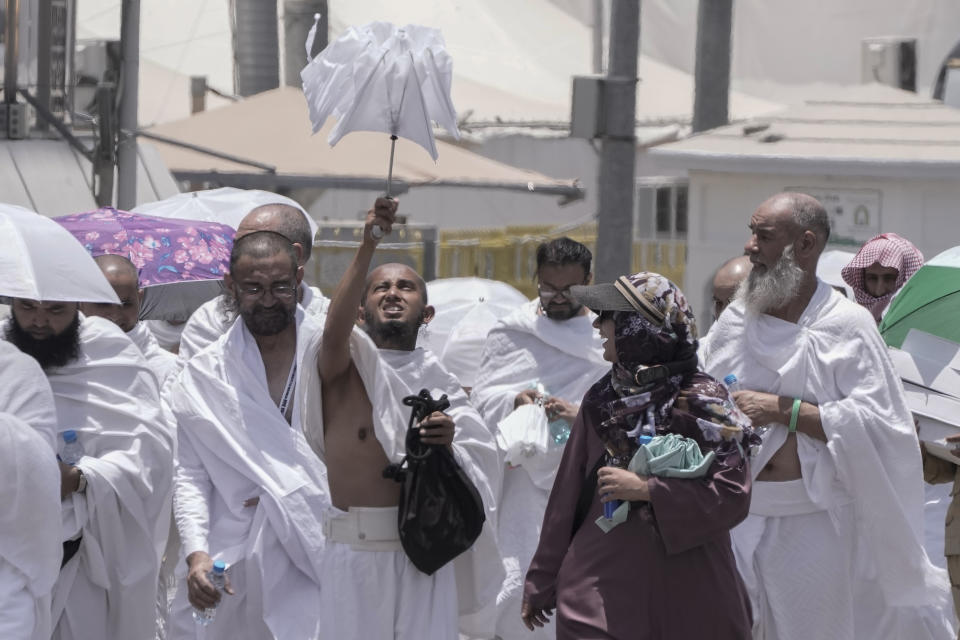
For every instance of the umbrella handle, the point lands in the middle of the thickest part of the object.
(376, 231)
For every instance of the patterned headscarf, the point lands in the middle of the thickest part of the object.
(890, 250)
(662, 330)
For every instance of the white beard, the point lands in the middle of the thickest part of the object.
(768, 289)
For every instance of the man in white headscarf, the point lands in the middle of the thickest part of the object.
(548, 346)
(116, 497)
(833, 545)
(249, 491)
(213, 318)
(30, 549)
(123, 277)
(355, 380)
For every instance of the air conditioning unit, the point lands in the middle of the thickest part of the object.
(889, 60)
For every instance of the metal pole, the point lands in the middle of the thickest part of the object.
(297, 20)
(11, 57)
(130, 73)
(598, 36)
(619, 153)
(712, 69)
(198, 93)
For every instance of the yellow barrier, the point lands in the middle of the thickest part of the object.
(509, 254)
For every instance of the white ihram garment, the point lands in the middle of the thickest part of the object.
(210, 321)
(839, 553)
(109, 396)
(30, 546)
(389, 376)
(25, 392)
(234, 445)
(162, 362)
(566, 356)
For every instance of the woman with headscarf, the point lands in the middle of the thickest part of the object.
(667, 570)
(880, 268)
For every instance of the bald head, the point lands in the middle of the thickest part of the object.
(125, 280)
(288, 221)
(800, 211)
(394, 306)
(726, 281)
(117, 269)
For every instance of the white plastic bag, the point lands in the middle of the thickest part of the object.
(524, 434)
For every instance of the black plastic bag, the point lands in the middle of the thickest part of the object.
(441, 513)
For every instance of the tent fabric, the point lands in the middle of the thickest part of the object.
(282, 139)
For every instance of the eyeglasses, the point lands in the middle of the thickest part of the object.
(279, 291)
(547, 292)
(605, 314)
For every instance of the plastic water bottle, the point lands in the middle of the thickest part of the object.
(609, 508)
(559, 431)
(72, 450)
(217, 577)
(731, 383)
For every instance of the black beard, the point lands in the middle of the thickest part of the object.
(391, 333)
(55, 351)
(263, 321)
(561, 312)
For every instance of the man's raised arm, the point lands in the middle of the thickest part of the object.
(334, 360)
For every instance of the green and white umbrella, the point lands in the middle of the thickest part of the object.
(929, 301)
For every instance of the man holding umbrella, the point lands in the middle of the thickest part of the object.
(356, 375)
(116, 479)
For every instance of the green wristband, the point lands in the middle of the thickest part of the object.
(794, 414)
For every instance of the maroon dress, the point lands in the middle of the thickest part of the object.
(668, 572)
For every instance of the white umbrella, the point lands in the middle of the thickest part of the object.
(467, 308)
(382, 78)
(226, 205)
(41, 260)
(830, 265)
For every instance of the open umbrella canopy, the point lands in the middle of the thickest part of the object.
(929, 301)
(42, 261)
(164, 250)
(467, 308)
(226, 205)
(379, 77)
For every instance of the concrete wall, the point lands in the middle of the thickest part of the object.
(923, 211)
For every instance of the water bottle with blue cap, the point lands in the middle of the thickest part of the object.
(72, 450)
(218, 578)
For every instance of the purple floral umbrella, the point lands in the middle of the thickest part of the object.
(163, 250)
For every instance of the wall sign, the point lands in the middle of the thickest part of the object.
(854, 213)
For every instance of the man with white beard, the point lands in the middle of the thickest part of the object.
(550, 341)
(249, 491)
(123, 277)
(214, 317)
(116, 498)
(833, 545)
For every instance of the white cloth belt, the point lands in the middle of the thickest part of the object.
(776, 499)
(363, 528)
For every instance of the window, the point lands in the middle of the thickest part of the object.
(661, 209)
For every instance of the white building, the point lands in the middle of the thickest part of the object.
(879, 159)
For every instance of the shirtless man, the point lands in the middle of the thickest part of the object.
(367, 361)
(830, 548)
(396, 297)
